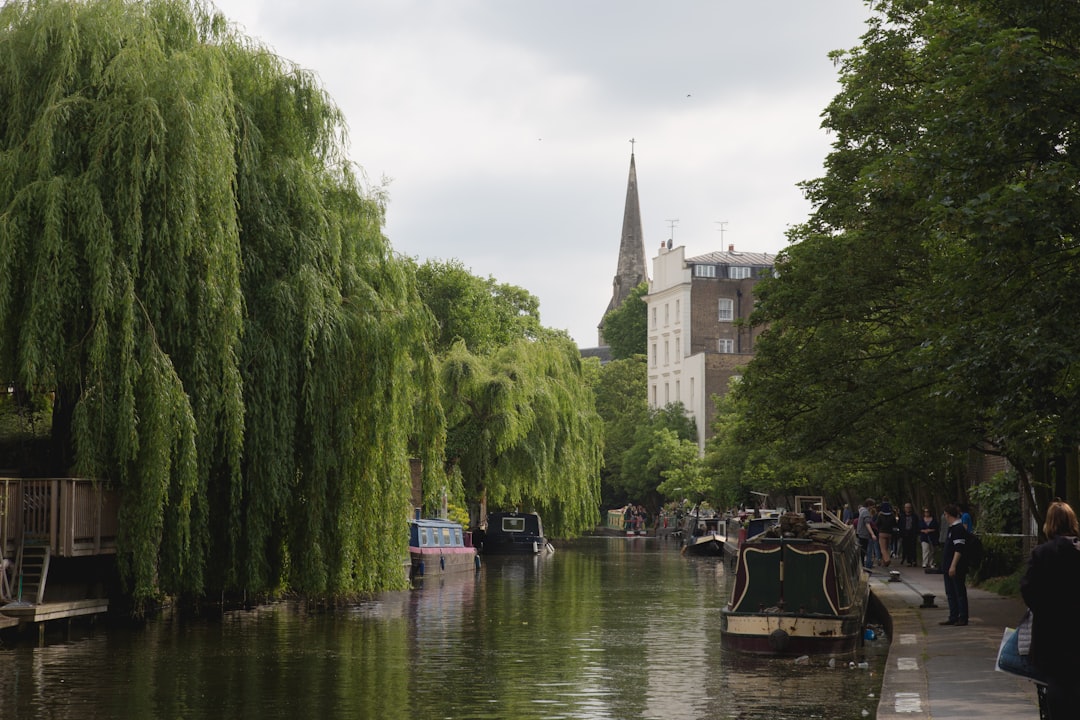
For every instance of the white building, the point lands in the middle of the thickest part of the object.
(696, 344)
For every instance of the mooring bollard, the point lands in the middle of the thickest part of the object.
(928, 600)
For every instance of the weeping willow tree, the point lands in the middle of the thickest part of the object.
(523, 430)
(189, 266)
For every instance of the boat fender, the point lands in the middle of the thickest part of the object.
(442, 562)
(536, 548)
(418, 570)
(778, 640)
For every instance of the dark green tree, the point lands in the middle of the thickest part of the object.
(626, 327)
(928, 306)
(620, 390)
(655, 450)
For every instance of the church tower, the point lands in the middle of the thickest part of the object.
(631, 270)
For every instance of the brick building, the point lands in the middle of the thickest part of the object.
(696, 345)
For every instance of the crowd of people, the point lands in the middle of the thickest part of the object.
(904, 536)
(1050, 586)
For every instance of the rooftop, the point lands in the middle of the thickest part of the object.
(733, 258)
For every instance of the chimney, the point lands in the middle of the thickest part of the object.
(731, 248)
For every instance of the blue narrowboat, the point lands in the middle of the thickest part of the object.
(439, 546)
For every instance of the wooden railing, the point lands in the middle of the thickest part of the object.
(74, 516)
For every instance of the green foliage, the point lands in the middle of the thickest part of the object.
(676, 460)
(658, 447)
(523, 429)
(929, 303)
(189, 261)
(620, 390)
(626, 328)
(483, 313)
(998, 502)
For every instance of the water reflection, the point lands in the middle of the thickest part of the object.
(606, 628)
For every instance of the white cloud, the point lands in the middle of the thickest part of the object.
(504, 124)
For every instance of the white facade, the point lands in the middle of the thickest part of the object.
(674, 375)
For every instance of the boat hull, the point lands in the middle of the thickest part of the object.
(707, 545)
(792, 634)
(435, 561)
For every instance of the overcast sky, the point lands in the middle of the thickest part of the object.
(503, 126)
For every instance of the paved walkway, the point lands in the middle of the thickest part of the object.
(944, 672)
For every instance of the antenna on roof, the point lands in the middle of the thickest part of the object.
(672, 222)
(632, 141)
(721, 223)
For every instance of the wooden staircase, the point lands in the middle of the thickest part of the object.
(31, 572)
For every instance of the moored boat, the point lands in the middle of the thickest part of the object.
(514, 533)
(799, 588)
(706, 535)
(439, 546)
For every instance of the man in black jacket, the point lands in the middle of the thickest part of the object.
(954, 568)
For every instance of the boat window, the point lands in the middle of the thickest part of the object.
(423, 537)
(434, 536)
(513, 524)
(446, 537)
(457, 537)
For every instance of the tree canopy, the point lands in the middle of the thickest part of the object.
(190, 265)
(929, 304)
(626, 328)
(523, 430)
(482, 312)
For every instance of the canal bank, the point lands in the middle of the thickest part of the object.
(947, 672)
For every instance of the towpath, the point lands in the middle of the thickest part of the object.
(944, 672)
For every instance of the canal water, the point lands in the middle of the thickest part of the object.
(604, 628)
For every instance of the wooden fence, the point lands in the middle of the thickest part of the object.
(74, 516)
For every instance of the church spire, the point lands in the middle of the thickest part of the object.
(631, 270)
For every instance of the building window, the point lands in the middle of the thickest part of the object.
(667, 317)
(705, 271)
(667, 357)
(727, 309)
(678, 349)
(667, 395)
(654, 396)
(678, 390)
(654, 318)
(654, 354)
(738, 272)
(677, 303)
(727, 345)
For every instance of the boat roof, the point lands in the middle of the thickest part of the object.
(434, 522)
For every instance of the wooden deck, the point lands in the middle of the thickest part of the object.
(28, 613)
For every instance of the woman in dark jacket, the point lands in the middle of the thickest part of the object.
(1051, 589)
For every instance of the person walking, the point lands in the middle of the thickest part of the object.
(954, 568)
(886, 526)
(928, 534)
(909, 535)
(1051, 589)
(864, 532)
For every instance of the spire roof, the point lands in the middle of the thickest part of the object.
(632, 269)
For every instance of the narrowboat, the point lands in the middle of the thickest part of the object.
(438, 546)
(514, 533)
(800, 588)
(705, 535)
